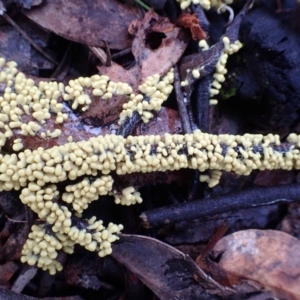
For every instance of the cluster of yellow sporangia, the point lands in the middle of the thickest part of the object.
(99, 85)
(31, 170)
(23, 98)
(90, 162)
(154, 91)
(26, 106)
(36, 173)
(41, 248)
(219, 75)
(92, 234)
(206, 4)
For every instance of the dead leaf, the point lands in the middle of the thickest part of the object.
(7, 294)
(157, 46)
(162, 25)
(155, 49)
(7, 270)
(276, 177)
(268, 257)
(15, 47)
(28, 3)
(102, 112)
(152, 29)
(84, 270)
(193, 23)
(71, 127)
(87, 22)
(291, 222)
(167, 120)
(169, 273)
(13, 246)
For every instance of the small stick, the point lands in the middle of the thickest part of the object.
(12, 220)
(184, 117)
(211, 244)
(121, 53)
(108, 54)
(103, 56)
(27, 37)
(202, 103)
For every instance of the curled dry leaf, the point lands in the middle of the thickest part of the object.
(87, 22)
(156, 47)
(12, 248)
(7, 271)
(193, 23)
(268, 257)
(169, 273)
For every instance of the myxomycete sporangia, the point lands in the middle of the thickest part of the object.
(36, 173)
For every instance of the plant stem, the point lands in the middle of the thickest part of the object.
(141, 3)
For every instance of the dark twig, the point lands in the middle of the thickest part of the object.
(108, 54)
(181, 102)
(187, 123)
(14, 221)
(228, 203)
(201, 92)
(202, 103)
(103, 56)
(200, 100)
(27, 37)
(121, 53)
